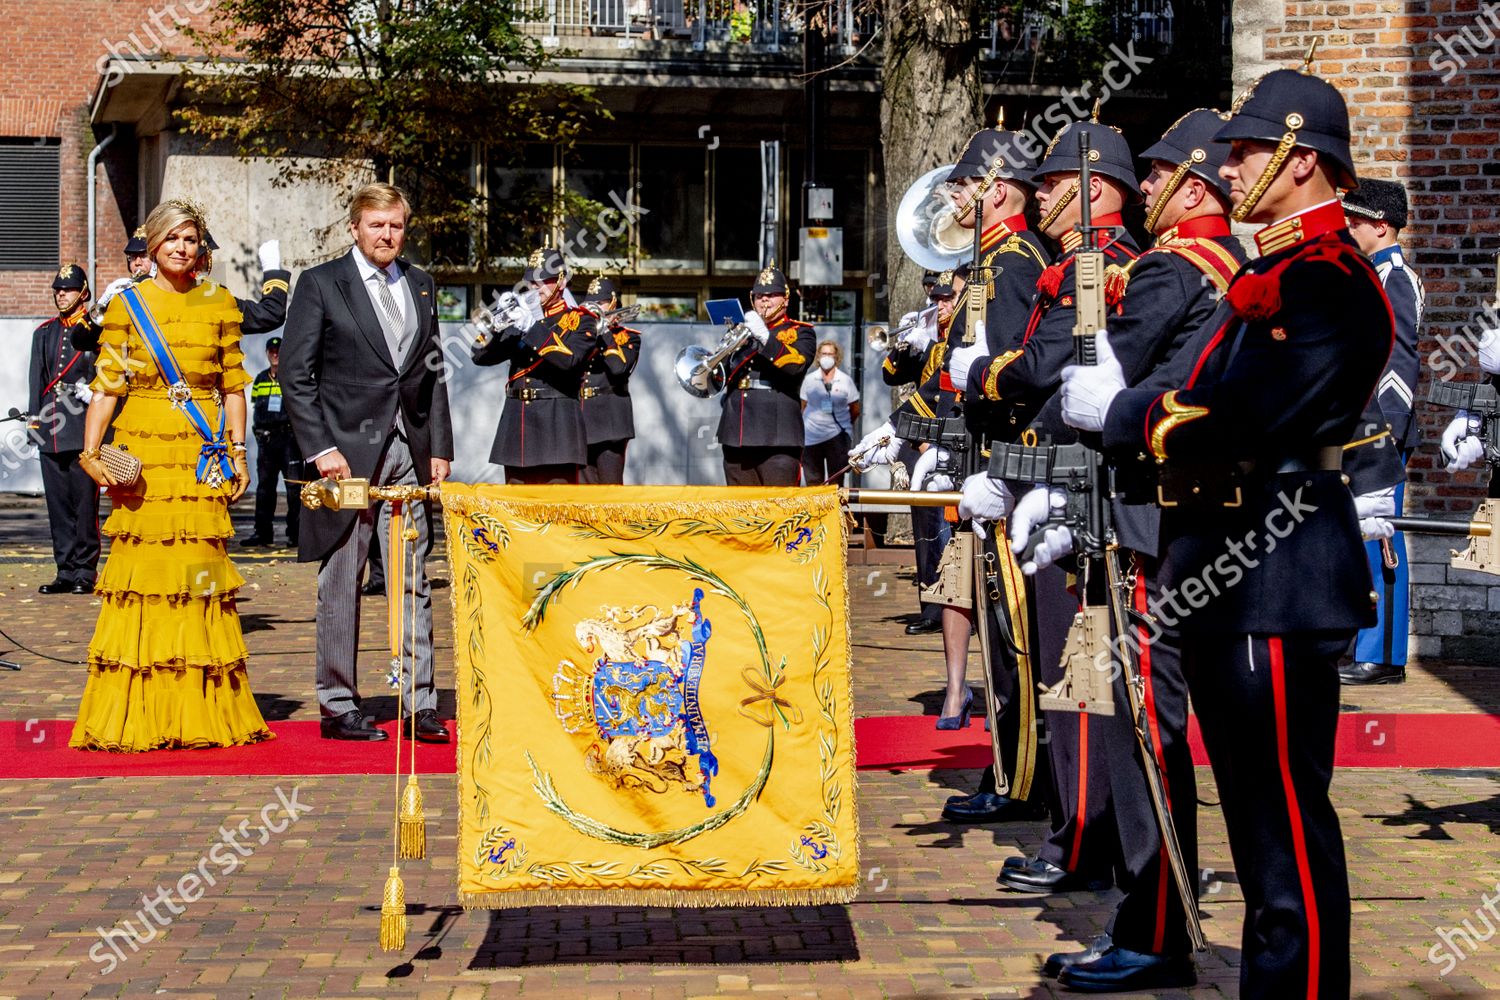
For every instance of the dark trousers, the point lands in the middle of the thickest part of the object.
(73, 515)
(1014, 698)
(1269, 707)
(1151, 917)
(606, 463)
(930, 531)
(762, 466)
(276, 455)
(821, 460)
(541, 475)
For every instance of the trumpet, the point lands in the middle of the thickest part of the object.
(700, 371)
(883, 339)
(616, 317)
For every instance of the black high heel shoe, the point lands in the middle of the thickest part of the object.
(961, 720)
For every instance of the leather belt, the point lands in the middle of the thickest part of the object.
(590, 391)
(747, 383)
(529, 395)
(1329, 459)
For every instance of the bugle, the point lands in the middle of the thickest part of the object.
(883, 339)
(700, 371)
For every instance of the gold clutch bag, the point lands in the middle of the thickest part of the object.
(123, 467)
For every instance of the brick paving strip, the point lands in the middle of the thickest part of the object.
(298, 917)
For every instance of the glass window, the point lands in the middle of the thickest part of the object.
(671, 207)
(597, 179)
(520, 196)
(736, 171)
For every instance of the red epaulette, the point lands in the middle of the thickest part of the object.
(1257, 296)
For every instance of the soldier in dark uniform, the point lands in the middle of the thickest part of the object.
(761, 427)
(137, 255)
(1282, 374)
(1018, 380)
(62, 366)
(1376, 213)
(608, 416)
(541, 437)
(1171, 291)
(269, 311)
(276, 453)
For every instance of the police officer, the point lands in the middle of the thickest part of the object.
(541, 437)
(608, 415)
(62, 366)
(276, 453)
(760, 430)
(1281, 376)
(1376, 213)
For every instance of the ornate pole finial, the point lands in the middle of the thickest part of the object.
(1000, 118)
(1311, 51)
(1094, 118)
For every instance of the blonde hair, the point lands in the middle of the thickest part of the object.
(377, 196)
(168, 216)
(838, 352)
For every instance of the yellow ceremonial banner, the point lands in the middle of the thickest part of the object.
(653, 696)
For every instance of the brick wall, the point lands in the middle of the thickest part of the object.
(1422, 78)
(49, 69)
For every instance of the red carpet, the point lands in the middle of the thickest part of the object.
(894, 743)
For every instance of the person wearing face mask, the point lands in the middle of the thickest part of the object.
(761, 429)
(830, 406)
(542, 437)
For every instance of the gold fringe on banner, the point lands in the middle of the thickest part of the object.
(413, 823)
(393, 913)
(543, 512)
(832, 895)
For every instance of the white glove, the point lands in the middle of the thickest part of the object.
(758, 328)
(270, 255)
(1372, 509)
(961, 360)
(1087, 390)
(879, 447)
(517, 312)
(112, 289)
(1033, 510)
(1461, 446)
(985, 500)
(922, 475)
(532, 300)
(908, 318)
(924, 330)
(82, 391)
(1371, 528)
(1489, 351)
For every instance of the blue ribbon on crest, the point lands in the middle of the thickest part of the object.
(214, 456)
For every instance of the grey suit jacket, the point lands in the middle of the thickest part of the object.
(341, 388)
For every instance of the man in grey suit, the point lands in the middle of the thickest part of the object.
(362, 377)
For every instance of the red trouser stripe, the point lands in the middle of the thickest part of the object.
(1299, 840)
(1159, 933)
(1083, 790)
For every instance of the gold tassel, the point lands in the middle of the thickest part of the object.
(413, 823)
(393, 913)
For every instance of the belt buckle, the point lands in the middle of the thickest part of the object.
(587, 392)
(528, 395)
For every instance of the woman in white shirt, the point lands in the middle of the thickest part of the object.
(830, 406)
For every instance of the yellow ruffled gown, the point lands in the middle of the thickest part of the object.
(167, 661)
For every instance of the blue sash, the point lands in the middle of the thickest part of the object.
(214, 466)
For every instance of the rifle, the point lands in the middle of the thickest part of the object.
(1481, 400)
(1088, 483)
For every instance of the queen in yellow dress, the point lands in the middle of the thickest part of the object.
(167, 661)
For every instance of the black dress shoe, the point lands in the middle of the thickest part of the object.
(81, 588)
(1120, 969)
(351, 726)
(1041, 876)
(430, 728)
(987, 807)
(372, 589)
(1059, 961)
(255, 542)
(55, 587)
(924, 626)
(1372, 673)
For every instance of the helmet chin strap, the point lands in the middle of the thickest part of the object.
(1057, 207)
(1278, 160)
(1165, 194)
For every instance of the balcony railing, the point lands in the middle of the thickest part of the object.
(768, 27)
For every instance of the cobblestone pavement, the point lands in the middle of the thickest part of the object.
(299, 917)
